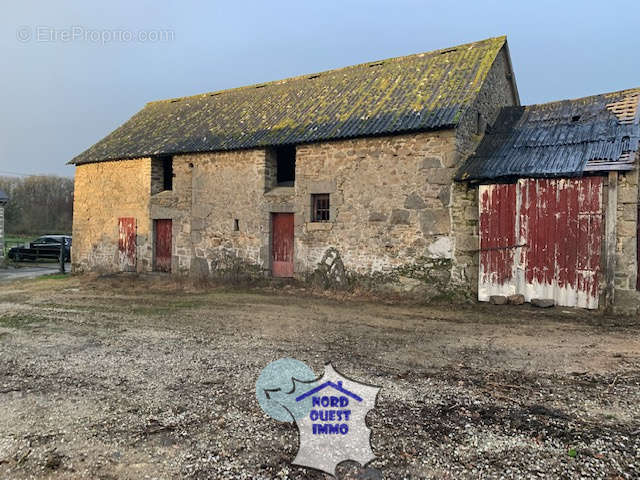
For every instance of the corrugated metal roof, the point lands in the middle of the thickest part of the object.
(419, 92)
(559, 139)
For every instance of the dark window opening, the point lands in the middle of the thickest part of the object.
(236, 225)
(481, 125)
(286, 165)
(167, 173)
(626, 144)
(575, 118)
(320, 207)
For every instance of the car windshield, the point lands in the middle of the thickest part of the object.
(47, 240)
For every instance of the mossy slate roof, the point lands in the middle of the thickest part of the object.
(425, 91)
(559, 139)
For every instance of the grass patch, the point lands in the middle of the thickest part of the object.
(11, 241)
(53, 276)
(163, 308)
(18, 321)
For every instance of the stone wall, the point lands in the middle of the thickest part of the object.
(498, 91)
(390, 214)
(396, 216)
(390, 211)
(626, 298)
(225, 186)
(104, 192)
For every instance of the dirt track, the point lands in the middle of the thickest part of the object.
(138, 378)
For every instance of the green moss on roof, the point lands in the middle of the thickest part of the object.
(417, 92)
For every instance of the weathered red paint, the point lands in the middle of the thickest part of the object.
(638, 249)
(127, 244)
(498, 233)
(557, 247)
(282, 244)
(162, 251)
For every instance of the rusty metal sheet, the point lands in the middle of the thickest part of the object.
(556, 240)
(282, 245)
(559, 139)
(127, 244)
(162, 248)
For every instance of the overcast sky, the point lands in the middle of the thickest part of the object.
(74, 71)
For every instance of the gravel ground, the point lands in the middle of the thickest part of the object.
(127, 377)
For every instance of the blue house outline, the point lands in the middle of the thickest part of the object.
(326, 384)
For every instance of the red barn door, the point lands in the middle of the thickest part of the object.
(127, 244)
(162, 252)
(542, 238)
(282, 245)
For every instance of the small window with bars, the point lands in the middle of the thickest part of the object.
(320, 207)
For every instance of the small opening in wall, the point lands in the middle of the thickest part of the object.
(481, 125)
(190, 164)
(575, 118)
(626, 144)
(286, 165)
(320, 211)
(167, 173)
(236, 225)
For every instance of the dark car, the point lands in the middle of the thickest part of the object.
(46, 247)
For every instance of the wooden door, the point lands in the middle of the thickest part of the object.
(162, 260)
(542, 238)
(282, 244)
(127, 244)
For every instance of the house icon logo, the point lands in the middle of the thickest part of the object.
(329, 412)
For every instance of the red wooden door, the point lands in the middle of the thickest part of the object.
(162, 260)
(542, 238)
(127, 244)
(497, 238)
(282, 245)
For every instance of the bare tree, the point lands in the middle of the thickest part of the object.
(38, 204)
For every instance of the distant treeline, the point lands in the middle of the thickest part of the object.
(38, 204)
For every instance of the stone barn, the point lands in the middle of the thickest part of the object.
(340, 177)
(558, 202)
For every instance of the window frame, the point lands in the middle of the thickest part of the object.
(320, 213)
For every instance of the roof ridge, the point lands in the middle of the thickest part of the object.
(587, 97)
(418, 92)
(502, 38)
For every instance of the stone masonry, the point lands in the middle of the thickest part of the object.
(627, 299)
(396, 218)
(103, 193)
(499, 90)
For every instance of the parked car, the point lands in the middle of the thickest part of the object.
(46, 247)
